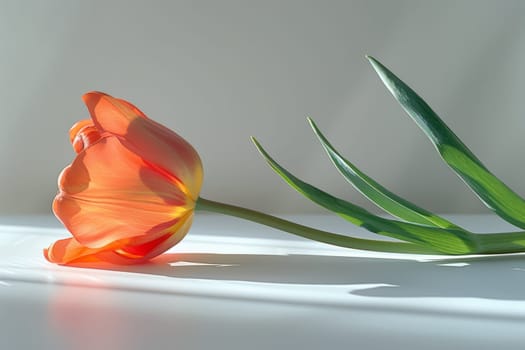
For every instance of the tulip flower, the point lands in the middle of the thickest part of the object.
(130, 193)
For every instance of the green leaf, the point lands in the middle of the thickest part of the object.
(491, 190)
(379, 195)
(449, 241)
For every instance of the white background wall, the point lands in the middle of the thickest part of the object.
(220, 71)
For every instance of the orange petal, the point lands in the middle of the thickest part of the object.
(175, 238)
(152, 248)
(151, 140)
(132, 107)
(77, 126)
(109, 194)
(70, 251)
(83, 134)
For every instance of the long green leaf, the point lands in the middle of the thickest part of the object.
(491, 190)
(449, 241)
(379, 195)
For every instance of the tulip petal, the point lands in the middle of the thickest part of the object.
(73, 132)
(150, 139)
(109, 193)
(83, 134)
(70, 251)
(152, 248)
(133, 108)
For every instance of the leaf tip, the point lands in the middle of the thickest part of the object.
(258, 146)
(254, 140)
(375, 63)
(310, 121)
(313, 126)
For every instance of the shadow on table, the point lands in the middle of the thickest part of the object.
(493, 277)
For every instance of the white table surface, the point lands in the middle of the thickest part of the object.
(237, 285)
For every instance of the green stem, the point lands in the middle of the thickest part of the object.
(311, 233)
(500, 243)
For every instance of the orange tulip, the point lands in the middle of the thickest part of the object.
(130, 193)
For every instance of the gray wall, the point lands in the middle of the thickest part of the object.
(220, 71)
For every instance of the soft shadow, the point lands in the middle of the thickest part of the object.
(496, 277)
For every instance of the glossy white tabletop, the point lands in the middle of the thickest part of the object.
(237, 285)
